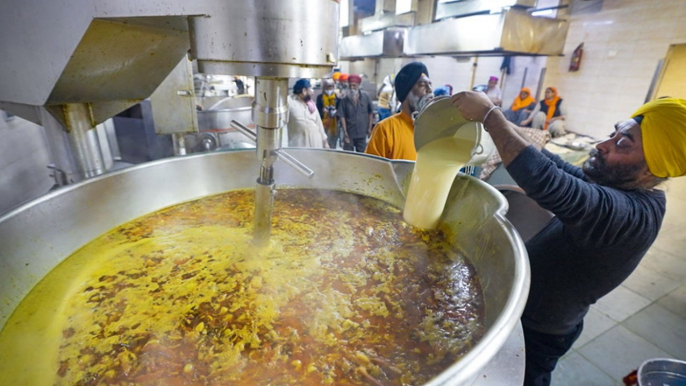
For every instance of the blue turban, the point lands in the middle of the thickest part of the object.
(300, 85)
(407, 77)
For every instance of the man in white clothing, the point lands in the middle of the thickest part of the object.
(305, 128)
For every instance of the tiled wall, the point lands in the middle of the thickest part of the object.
(622, 46)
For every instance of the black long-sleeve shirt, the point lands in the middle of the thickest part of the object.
(597, 238)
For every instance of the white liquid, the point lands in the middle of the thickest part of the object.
(437, 165)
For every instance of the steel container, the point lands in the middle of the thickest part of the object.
(39, 235)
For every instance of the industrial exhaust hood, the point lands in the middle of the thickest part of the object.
(462, 28)
(512, 32)
(387, 43)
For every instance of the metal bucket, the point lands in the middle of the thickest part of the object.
(39, 235)
(660, 372)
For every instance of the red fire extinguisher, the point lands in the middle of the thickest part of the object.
(576, 58)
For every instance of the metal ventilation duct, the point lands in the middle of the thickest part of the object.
(513, 32)
(385, 43)
(459, 8)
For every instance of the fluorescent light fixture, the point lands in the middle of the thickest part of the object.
(545, 13)
(344, 16)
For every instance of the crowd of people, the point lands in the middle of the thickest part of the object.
(346, 112)
(607, 212)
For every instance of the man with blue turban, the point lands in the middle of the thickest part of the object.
(607, 214)
(393, 137)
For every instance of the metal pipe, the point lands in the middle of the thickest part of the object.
(295, 164)
(179, 143)
(244, 130)
(83, 139)
(287, 158)
(270, 114)
(474, 65)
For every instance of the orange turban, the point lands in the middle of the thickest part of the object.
(343, 78)
(663, 129)
(336, 75)
(520, 103)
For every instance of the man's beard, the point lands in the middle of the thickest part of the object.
(307, 98)
(416, 103)
(597, 171)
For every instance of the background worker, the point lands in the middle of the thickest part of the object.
(305, 127)
(521, 107)
(327, 104)
(356, 113)
(386, 104)
(393, 137)
(549, 114)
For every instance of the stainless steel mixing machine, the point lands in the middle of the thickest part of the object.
(76, 66)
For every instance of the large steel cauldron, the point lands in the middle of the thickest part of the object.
(40, 234)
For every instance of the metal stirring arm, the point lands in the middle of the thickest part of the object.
(280, 153)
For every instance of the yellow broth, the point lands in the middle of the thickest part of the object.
(346, 294)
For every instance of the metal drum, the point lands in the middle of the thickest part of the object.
(39, 235)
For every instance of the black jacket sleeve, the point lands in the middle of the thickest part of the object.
(595, 216)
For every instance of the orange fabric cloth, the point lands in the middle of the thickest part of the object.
(393, 138)
(520, 103)
(551, 106)
(343, 77)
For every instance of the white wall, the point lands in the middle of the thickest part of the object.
(622, 46)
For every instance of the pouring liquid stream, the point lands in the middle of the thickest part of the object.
(438, 163)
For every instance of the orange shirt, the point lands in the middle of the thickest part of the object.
(393, 138)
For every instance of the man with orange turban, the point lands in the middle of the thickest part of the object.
(607, 214)
(343, 83)
(356, 113)
(521, 107)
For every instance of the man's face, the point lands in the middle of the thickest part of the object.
(306, 94)
(354, 86)
(492, 83)
(420, 90)
(328, 88)
(618, 161)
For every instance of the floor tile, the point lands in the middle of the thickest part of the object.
(575, 370)
(649, 284)
(621, 303)
(675, 301)
(619, 351)
(666, 264)
(672, 239)
(595, 323)
(663, 328)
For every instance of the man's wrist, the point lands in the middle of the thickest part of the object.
(489, 114)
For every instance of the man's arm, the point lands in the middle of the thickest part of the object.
(536, 110)
(566, 166)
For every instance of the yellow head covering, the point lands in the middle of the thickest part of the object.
(663, 129)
